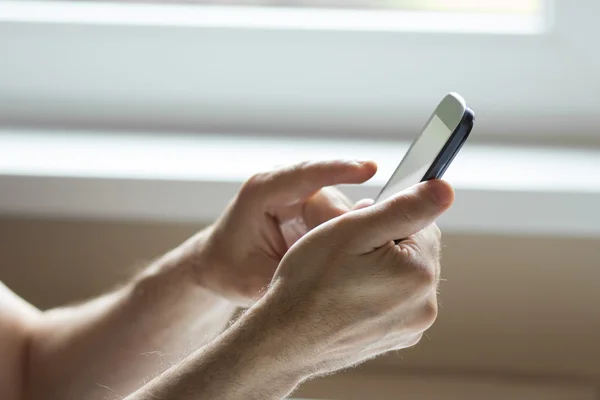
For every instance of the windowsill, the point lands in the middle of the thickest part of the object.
(506, 190)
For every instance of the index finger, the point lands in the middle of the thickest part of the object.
(297, 182)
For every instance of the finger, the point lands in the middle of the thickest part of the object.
(297, 182)
(326, 204)
(364, 203)
(398, 217)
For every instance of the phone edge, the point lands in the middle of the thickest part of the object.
(451, 147)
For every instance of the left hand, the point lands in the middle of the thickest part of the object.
(237, 256)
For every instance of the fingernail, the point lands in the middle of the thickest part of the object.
(362, 162)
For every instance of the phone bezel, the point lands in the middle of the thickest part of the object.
(452, 146)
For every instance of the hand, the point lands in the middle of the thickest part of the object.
(345, 292)
(237, 256)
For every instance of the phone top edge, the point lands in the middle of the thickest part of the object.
(458, 98)
(451, 110)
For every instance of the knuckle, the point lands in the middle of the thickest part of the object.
(302, 165)
(423, 275)
(302, 180)
(428, 314)
(253, 184)
(436, 243)
(414, 340)
(429, 247)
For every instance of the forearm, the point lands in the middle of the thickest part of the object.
(251, 360)
(16, 319)
(113, 345)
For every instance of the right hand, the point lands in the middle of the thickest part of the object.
(237, 256)
(345, 292)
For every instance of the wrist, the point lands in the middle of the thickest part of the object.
(296, 340)
(265, 358)
(195, 259)
(179, 268)
(208, 261)
(301, 332)
(250, 360)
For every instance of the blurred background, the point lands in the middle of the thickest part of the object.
(126, 126)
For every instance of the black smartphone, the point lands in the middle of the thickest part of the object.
(433, 150)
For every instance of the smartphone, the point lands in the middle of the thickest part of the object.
(433, 150)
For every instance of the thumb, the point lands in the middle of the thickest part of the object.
(326, 204)
(400, 216)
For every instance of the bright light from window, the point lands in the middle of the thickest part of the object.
(469, 6)
(485, 6)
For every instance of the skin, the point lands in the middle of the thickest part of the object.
(288, 248)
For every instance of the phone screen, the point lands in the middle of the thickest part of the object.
(418, 159)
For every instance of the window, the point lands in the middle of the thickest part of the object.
(171, 65)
